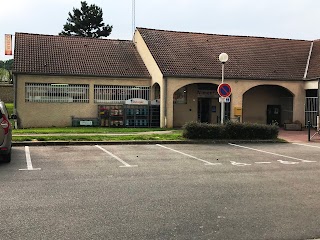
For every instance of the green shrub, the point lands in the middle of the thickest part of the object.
(231, 130)
(196, 130)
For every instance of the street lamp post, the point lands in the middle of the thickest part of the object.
(223, 57)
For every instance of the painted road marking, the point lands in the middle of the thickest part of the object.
(287, 162)
(239, 164)
(29, 162)
(306, 145)
(199, 159)
(276, 154)
(114, 156)
(263, 162)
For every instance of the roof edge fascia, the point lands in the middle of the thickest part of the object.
(308, 61)
(79, 75)
(237, 78)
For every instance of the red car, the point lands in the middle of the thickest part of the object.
(5, 134)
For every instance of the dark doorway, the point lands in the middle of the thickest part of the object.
(273, 114)
(204, 109)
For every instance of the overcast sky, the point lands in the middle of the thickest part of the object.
(294, 19)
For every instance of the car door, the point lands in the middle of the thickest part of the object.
(1, 128)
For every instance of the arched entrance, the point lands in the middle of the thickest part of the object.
(197, 102)
(155, 91)
(268, 104)
(208, 103)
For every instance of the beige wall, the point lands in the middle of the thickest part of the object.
(176, 114)
(6, 93)
(255, 103)
(186, 112)
(312, 84)
(179, 114)
(32, 114)
(59, 114)
(156, 74)
(296, 88)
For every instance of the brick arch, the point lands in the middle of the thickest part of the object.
(270, 85)
(155, 91)
(182, 112)
(259, 100)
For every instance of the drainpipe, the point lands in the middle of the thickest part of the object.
(15, 100)
(165, 82)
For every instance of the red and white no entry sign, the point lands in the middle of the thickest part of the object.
(224, 90)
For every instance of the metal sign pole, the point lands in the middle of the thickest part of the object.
(222, 102)
(223, 57)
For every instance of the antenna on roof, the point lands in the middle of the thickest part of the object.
(133, 16)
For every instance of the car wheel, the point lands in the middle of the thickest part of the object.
(7, 157)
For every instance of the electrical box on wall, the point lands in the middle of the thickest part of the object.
(237, 111)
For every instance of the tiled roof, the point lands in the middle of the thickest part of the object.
(185, 54)
(314, 65)
(62, 55)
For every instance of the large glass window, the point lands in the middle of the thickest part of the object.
(119, 94)
(56, 92)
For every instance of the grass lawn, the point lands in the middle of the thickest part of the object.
(136, 137)
(92, 133)
(77, 130)
(9, 108)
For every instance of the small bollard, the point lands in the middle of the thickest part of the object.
(309, 127)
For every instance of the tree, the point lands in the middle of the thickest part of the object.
(6, 70)
(86, 22)
(6, 64)
(4, 75)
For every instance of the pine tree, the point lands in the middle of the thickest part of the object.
(86, 22)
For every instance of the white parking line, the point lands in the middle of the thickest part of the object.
(287, 162)
(276, 154)
(239, 164)
(306, 145)
(114, 156)
(29, 162)
(199, 159)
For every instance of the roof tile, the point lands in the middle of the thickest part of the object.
(187, 54)
(314, 65)
(63, 55)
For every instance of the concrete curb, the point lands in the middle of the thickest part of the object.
(72, 143)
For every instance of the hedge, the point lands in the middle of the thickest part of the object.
(230, 130)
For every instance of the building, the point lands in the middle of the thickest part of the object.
(58, 78)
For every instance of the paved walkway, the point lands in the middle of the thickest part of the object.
(298, 136)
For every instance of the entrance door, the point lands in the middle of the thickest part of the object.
(273, 114)
(204, 110)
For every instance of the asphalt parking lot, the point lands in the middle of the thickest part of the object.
(162, 191)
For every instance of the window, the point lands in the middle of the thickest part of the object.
(57, 93)
(180, 96)
(119, 94)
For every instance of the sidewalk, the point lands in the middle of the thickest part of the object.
(298, 136)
